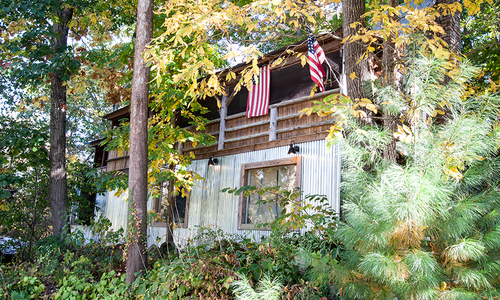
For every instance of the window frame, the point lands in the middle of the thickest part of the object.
(156, 207)
(296, 160)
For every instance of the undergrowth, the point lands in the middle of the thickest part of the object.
(214, 265)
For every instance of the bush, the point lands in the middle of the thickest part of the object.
(208, 268)
(27, 288)
(71, 268)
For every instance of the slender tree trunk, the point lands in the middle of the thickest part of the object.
(388, 59)
(58, 182)
(352, 10)
(170, 210)
(170, 205)
(138, 170)
(34, 219)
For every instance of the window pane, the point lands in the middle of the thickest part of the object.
(179, 209)
(283, 177)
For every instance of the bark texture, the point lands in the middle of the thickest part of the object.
(388, 65)
(137, 259)
(451, 25)
(58, 181)
(352, 10)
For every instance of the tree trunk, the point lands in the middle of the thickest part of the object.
(138, 170)
(58, 182)
(388, 65)
(352, 10)
(170, 210)
(451, 25)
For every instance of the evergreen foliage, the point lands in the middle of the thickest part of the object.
(268, 289)
(426, 227)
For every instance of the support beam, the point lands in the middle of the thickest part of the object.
(180, 148)
(273, 125)
(222, 124)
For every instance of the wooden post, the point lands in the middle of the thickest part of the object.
(222, 127)
(180, 148)
(273, 124)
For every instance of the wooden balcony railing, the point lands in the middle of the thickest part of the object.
(237, 133)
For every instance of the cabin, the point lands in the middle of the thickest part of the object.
(282, 147)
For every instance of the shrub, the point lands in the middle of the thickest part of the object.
(27, 287)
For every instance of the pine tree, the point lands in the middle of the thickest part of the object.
(428, 225)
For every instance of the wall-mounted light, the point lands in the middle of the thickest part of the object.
(212, 161)
(293, 148)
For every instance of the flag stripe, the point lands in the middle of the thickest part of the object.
(258, 97)
(319, 52)
(316, 58)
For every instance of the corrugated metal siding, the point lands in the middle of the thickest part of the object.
(210, 207)
(114, 208)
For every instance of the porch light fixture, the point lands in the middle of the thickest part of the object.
(212, 161)
(293, 148)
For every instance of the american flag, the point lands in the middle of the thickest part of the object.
(316, 58)
(258, 96)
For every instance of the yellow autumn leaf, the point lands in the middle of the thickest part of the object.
(371, 107)
(277, 62)
(354, 25)
(353, 75)
(346, 39)
(312, 93)
(406, 128)
(401, 134)
(303, 60)
(494, 86)
(359, 114)
(307, 111)
(473, 7)
(454, 173)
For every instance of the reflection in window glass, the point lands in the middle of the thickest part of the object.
(283, 176)
(179, 209)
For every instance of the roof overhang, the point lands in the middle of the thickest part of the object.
(118, 114)
(95, 143)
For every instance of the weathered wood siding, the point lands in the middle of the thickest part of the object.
(244, 134)
(210, 207)
(117, 160)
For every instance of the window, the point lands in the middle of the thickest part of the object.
(180, 210)
(282, 172)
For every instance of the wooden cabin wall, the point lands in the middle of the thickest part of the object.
(244, 134)
(209, 206)
(117, 160)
